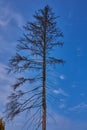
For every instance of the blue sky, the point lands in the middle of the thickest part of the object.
(70, 80)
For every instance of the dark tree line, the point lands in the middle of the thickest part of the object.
(34, 55)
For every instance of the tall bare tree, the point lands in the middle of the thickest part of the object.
(32, 60)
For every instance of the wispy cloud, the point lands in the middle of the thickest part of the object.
(75, 84)
(82, 94)
(7, 15)
(10, 20)
(79, 107)
(62, 77)
(17, 123)
(60, 91)
(5, 82)
(78, 51)
(4, 16)
(65, 123)
(3, 73)
(61, 106)
(69, 15)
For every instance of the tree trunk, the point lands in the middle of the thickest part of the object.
(44, 84)
(44, 98)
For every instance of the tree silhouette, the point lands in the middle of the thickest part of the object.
(32, 60)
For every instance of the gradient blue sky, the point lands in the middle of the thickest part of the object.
(70, 111)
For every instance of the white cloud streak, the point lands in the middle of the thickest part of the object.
(79, 107)
(5, 82)
(62, 77)
(61, 106)
(60, 91)
(7, 15)
(65, 123)
(3, 73)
